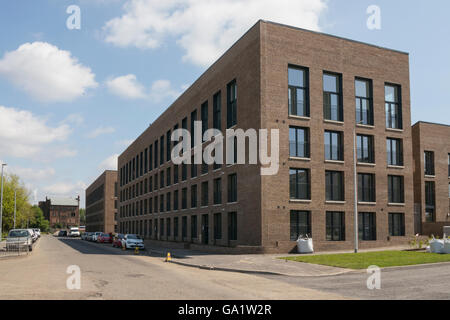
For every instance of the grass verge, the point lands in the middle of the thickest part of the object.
(381, 259)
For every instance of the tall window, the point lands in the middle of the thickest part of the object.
(168, 146)
(332, 97)
(168, 177)
(161, 227)
(395, 189)
(366, 187)
(232, 188)
(193, 168)
(175, 227)
(193, 119)
(298, 92)
(156, 154)
(184, 227)
(161, 203)
(218, 191)
(394, 152)
(217, 111)
(175, 174)
(334, 188)
(299, 142)
(300, 224)
(335, 226)
(396, 224)
(175, 200)
(448, 164)
(194, 227)
(367, 227)
(183, 171)
(161, 153)
(146, 160)
(204, 115)
(364, 107)
(333, 146)
(184, 198)
(150, 158)
(365, 149)
(231, 104)
(217, 226)
(232, 226)
(429, 163)
(299, 184)
(393, 107)
(430, 202)
(205, 197)
(194, 196)
(161, 179)
(168, 201)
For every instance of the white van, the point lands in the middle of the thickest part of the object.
(74, 232)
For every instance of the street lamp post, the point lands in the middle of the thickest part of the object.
(15, 207)
(355, 186)
(1, 204)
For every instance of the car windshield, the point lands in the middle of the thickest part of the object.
(132, 236)
(18, 234)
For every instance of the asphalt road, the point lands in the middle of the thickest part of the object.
(110, 273)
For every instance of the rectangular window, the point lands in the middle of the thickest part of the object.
(217, 226)
(430, 202)
(367, 226)
(299, 185)
(300, 224)
(193, 119)
(150, 158)
(366, 187)
(218, 191)
(184, 227)
(156, 154)
(232, 226)
(231, 104)
(168, 177)
(161, 153)
(194, 227)
(205, 194)
(146, 160)
(217, 111)
(183, 171)
(232, 188)
(335, 226)
(365, 149)
(429, 163)
(333, 146)
(168, 227)
(298, 91)
(168, 201)
(194, 196)
(175, 200)
(175, 227)
(334, 186)
(395, 189)
(156, 204)
(204, 115)
(161, 203)
(332, 97)
(193, 168)
(299, 142)
(168, 146)
(394, 152)
(175, 174)
(204, 167)
(184, 198)
(364, 104)
(396, 224)
(150, 184)
(393, 107)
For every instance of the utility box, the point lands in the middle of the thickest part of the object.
(446, 232)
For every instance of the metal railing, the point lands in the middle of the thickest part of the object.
(9, 248)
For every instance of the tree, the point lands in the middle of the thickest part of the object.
(24, 213)
(39, 220)
(82, 217)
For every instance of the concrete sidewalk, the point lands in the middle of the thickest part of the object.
(253, 264)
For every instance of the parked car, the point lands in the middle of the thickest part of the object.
(62, 233)
(38, 232)
(95, 236)
(89, 236)
(34, 235)
(117, 240)
(131, 241)
(104, 238)
(74, 232)
(19, 238)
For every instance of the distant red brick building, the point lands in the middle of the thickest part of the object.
(61, 212)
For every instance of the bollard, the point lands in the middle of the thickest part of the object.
(169, 257)
(136, 250)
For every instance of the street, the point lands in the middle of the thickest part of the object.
(110, 273)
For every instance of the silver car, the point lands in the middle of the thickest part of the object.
(19, 239)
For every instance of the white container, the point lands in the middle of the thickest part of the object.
(436, 246)
(305, 246)
(446, 248)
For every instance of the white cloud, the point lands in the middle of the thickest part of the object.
(32, 174)
(22, 134)
(65, 188)
(162, 89)
(126, 87)
(109, 163)
(74, 118)
(100, 131)
(124, 142)
(46, 72)
(203, 28)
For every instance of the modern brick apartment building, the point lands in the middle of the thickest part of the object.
(61, 212)
(431, 149)
(316, 89)
(101, 203)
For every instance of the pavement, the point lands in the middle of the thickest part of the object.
(269, 264)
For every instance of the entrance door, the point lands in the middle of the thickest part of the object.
(205, 229)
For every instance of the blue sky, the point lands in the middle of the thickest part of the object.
(91, 91)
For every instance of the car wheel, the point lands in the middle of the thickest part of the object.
(30, 248)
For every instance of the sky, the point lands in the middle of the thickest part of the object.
(77, 89)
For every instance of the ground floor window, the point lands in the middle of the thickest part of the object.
(232, 226)
(217, 226)
(168, 227)
(175, 227)
(300, 224)
(367, 227)
(161, 227)
(335, 226)
(194, 227)
(184, 227)
(396, 224)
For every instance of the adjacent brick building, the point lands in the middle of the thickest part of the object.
(431, 149)
(317, 89)
(101, 203)
(61, 212)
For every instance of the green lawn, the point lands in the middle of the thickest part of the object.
(381, 259)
